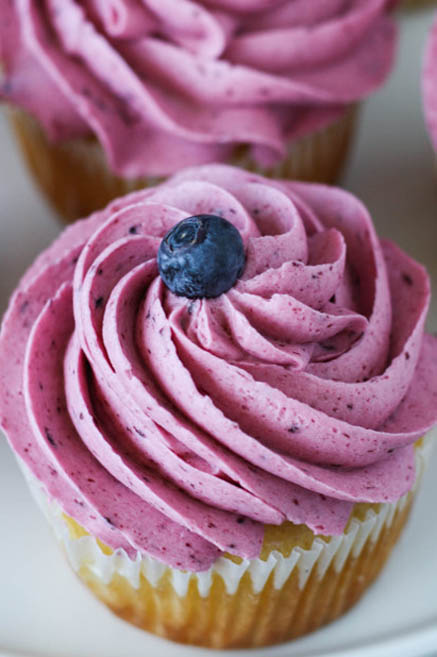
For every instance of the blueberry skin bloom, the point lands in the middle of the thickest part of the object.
(201, 257)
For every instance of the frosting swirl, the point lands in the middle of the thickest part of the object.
(180, 428)
(169, 83)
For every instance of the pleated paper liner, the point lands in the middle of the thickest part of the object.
(416, 4)
(317, 157)
(299, 583)
(75, 176)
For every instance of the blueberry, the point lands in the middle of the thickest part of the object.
(201, 256)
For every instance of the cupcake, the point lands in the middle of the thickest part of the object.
(116, 95)
(207, 391)
(429, 84)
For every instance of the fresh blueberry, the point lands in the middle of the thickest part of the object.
(201, 256)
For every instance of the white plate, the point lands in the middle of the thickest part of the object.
(43, 608)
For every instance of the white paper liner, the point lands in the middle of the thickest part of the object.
(85, 551)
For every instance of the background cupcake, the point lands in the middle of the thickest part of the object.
(224, 483)
(429, 83)
(124, 93)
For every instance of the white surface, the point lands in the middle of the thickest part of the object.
(45, 611)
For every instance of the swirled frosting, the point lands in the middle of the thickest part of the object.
(169, 83)
(429, 83)
(180, 428)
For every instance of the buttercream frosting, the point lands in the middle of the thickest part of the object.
(180, 428)
(170, 83)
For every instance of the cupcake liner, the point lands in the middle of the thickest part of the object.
(316, 157)
(240, 603)
(416, 4)
(75, 176)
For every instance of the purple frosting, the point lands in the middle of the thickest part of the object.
(181, 428)
(164, 84)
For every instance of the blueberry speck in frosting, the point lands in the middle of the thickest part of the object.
(49, 436)
(24, 306)
(294, 428)
(201, 257)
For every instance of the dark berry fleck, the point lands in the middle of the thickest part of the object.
(49, 437)
(201, 256)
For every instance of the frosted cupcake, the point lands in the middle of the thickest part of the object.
(429, 84)
(230, 470)
(117, 94)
